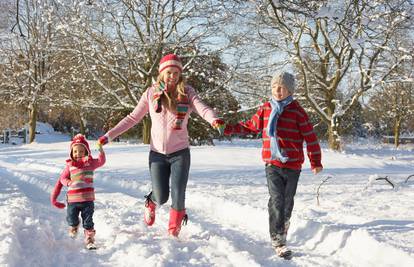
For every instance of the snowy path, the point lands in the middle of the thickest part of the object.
(226, 203)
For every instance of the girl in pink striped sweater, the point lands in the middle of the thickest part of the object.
(78, 176)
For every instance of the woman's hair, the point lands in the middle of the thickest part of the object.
(168, 99)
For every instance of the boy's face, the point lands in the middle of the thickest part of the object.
(78, 152)
(279, 92)
(171, 76)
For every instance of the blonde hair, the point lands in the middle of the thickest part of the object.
(169, 99)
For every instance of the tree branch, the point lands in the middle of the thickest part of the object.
(317, 191)
(18, 20)
(406, 180)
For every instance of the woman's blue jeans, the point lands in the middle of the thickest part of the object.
(166, 167)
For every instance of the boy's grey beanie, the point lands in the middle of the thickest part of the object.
(285, 78)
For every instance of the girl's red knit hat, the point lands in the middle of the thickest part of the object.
(80, 139)
(170, 60)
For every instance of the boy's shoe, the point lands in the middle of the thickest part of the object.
(73, 231)
(90, 239)
(149, 210)
(283, 252)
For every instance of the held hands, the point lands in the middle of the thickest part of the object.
(99, 146)
(219, 125)
(103, 140)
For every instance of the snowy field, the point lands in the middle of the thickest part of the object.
(360, 221)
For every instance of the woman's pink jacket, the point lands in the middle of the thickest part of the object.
(164, 139)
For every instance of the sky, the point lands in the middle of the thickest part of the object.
(360, 221)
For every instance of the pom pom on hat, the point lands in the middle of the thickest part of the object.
(170, 60)
(286, 79)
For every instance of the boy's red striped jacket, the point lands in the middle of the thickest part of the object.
(293, 127)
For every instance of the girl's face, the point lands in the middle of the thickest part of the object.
(78, 152)
(279, 92)
(171, 76)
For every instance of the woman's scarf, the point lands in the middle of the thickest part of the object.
(182, 104)
(277, 109)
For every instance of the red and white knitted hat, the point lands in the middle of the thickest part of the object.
(80, 139)
(170, 60)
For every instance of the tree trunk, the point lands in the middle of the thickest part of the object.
(81, 123)
(32, 122)
(82, 126)
(397, 131)
(146, 130)
(334, 140)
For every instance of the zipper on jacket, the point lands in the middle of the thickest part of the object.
(165, 125)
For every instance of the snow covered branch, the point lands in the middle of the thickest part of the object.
(386, 179)
(373, 178)
(18, 20)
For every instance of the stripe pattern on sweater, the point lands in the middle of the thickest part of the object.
(293, 128)
(81, 188)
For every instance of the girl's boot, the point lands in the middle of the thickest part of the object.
(73, 231)
(90, 238)
(176, 218)
(149, 210)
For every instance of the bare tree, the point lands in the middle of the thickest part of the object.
(393, 107)
(393, 102)
(337, 48)
(120, 43)
(29, 55)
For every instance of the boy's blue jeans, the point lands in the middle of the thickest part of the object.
(163, 166)
(282, 184)
(85, 209)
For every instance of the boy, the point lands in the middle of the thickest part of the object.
(284, 125)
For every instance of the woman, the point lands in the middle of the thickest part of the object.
(169, 102)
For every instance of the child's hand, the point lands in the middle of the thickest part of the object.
(58, 205)
(99, 146)
(103, 140)
(317, 170)
(219, 125)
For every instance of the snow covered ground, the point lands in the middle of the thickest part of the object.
(360, 221)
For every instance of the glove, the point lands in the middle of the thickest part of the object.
(103, 140)
(58, 205)
(55, 193)
(99, 146)
(219, 125)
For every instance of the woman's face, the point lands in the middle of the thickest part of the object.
(171, 76)
(279, 92)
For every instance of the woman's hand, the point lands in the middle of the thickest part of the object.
(103, 140)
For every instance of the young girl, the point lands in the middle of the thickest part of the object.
(169, 102)
(78, 176)
(284, 125)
